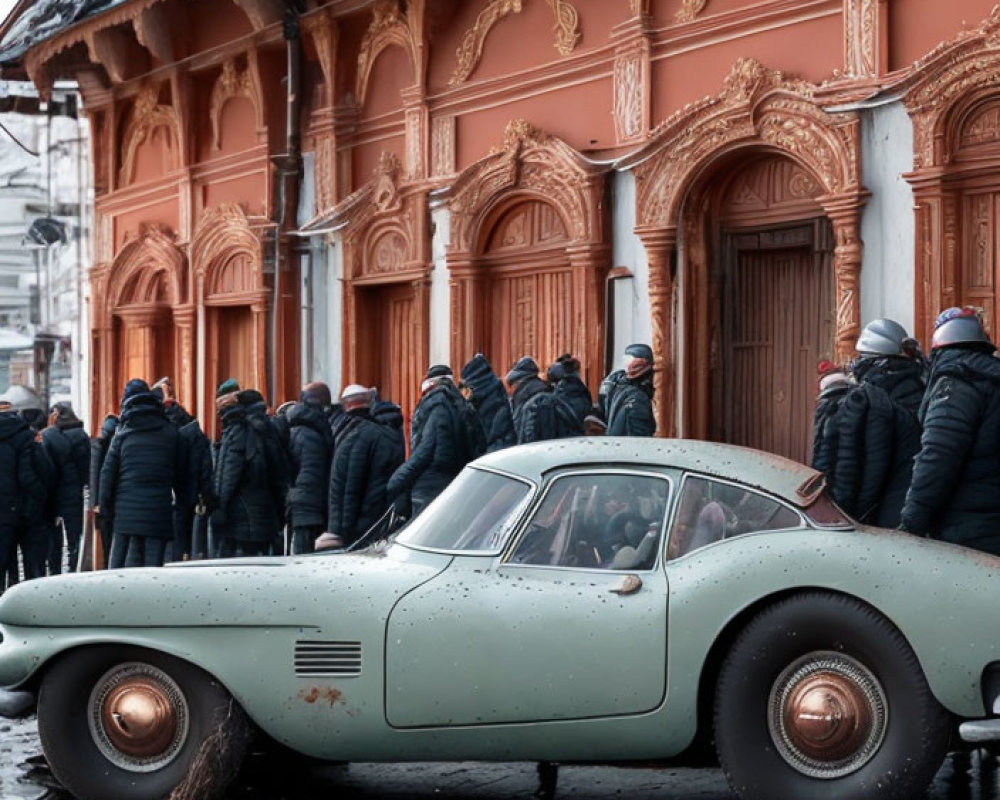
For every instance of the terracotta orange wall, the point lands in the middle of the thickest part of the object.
(917, 26)
(391, 73)
(237, 126)
(248, 191)
(154, 158)
(364, 157)
(519, 42)
(214, 23)
(686, 77)
(164, 213)
(581, 115)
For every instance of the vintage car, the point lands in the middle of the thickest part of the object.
(593, 600)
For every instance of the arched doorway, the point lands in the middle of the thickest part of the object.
(529, 304)
(773, 314)
(528, 255)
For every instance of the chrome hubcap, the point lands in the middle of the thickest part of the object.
(138, 717)
(827, 715)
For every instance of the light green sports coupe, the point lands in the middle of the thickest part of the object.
(590, 600)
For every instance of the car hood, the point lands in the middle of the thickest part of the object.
(294, 591)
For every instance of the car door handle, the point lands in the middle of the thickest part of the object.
(630, 585)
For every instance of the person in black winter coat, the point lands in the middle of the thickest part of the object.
(539, 414)
(954, 494)
(249, 477)
(197, 499)
(365, 456)
(142, 473)
(489, 398)
(389, 414)
(175, 412)
(98, 452)
(311, 449)
(438, 447)
(834, 383)
(67, 445)
(23, 494)
(630, 405)
(564, 376)
(270, 431)
(878, 433)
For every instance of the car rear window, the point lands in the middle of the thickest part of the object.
(474, 514)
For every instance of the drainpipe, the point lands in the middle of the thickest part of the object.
(289, 167)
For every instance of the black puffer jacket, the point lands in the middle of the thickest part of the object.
(68, 447)
(389, 414)
(247, 510)
(539, 415)
(177, 414)
(436, 450)
(612, 382)
(826, 429)
(268, 431)
(22, 479)
(311, 445)
(98, 452)
(630, 412)
(142, 470)
(877, 438)
(489, 398)
(197, 478)
(574, 392)
(955, 491)
(365, 458)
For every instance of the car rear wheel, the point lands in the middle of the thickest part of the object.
(135, 724)
(822, 697)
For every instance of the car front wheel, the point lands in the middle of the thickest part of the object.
(822, 697)
(135, 724)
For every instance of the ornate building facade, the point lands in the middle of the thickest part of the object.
(741, 183)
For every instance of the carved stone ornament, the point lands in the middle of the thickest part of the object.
(443, 145)
(146, 260)
(389, 26)
(229, 85)
(690, 9)
(471, 49)
(530, 162)
(638, 7)
(631, 88)
(223, 238)
(861, 23)
(148, 115)
(567, 26)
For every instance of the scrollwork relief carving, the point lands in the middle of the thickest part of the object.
(690, 9)
(630, 89)
(229, 85)
(389, 26)
(567, 26)
(147, 116)
(471, 49)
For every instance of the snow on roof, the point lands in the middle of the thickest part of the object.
(44, 19)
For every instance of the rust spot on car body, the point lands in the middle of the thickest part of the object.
(327, 694)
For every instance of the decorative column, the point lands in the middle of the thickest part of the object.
(660, 247)
(184, 322)
(866, 38)
(844, 213)
(589, 269)
(422, 314)
(465, 282)
(259, 310)
(632, 77)
(415, 118)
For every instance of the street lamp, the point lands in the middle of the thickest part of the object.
(44, 233)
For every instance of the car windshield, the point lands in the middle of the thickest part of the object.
(475, 513)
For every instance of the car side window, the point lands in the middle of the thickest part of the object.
(597, 521)
(709, 510)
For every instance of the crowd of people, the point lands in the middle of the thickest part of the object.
(317, 472)
(911, 442)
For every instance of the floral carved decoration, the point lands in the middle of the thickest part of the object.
(232, 84)
(470, 51)
(222, 241)
(690, 9)
(390, 25)
(147, 259)
(147, 116)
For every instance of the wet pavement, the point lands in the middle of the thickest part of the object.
(24, 776)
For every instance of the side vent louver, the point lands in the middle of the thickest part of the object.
(327, 659)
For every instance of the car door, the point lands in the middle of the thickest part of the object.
(570, 623)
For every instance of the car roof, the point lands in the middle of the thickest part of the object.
(791, 481)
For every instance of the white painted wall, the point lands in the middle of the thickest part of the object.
(632, 318)
(887, 221)
(440, 322)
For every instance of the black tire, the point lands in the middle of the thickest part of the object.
(91, 708)
(831, 654)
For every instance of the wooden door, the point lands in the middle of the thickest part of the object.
(778, 323)
(389, 340)
(530, 314)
